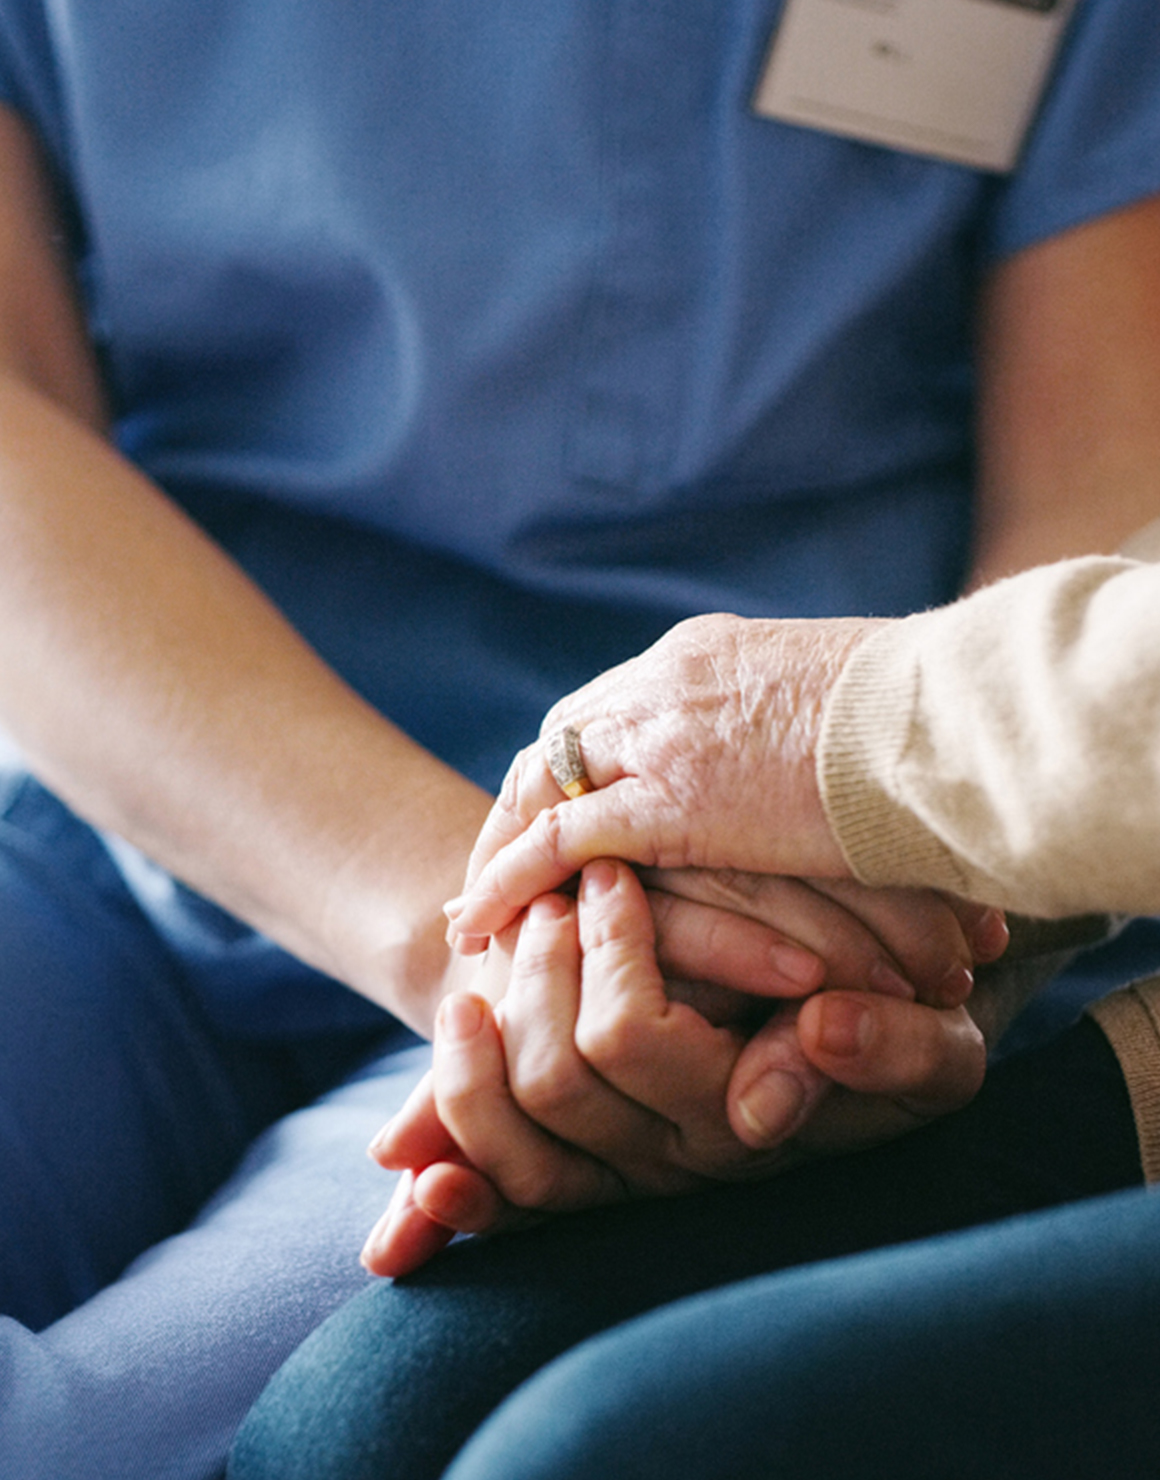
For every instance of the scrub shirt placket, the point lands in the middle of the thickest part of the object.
(632, 373)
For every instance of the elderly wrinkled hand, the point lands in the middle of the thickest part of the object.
(701, 752)
(590, 1083)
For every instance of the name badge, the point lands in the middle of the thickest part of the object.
(957, 79)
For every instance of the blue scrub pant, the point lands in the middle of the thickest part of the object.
(394, 1384)
(183, 1192)
(1026, 1350)
(183, 1189)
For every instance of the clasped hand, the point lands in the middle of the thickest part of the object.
(634, 1042)
(716, 1017)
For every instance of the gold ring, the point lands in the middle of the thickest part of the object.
(566, 763)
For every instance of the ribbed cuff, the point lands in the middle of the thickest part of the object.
(1130, 1020)
(865, 731)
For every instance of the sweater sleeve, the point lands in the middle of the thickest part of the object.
(1007, 748)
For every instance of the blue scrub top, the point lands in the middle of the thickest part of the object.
(495, 338)
(492, 339)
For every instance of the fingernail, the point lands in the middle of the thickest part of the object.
(379, 1235)
(380, 1141)
(460, 1017)
(991, 936)
(599, 879)
(772, 1106)
(797, 964)
(883, 978)
(455, 907)
(376, 1239)
(846, 1026)
(956, 986)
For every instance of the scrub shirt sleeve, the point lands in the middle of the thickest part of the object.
(28, 76)
(1095, 145)
(11, 92)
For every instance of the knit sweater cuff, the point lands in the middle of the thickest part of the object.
(866, 730)
(1130, 1020)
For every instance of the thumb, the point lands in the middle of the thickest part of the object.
(774, 1088)
(928, 1059)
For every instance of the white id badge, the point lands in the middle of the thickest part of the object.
(959, 79)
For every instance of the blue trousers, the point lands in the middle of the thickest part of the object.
(183, 1190)
(397, 1381)
(1026, 1350)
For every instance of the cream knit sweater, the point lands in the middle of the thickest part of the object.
(1007, 748)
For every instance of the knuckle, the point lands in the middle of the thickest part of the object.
(939, 937)
(516, 795)
(537, 1182)
(709, 1151)
(532, 962)
(544, 1085)
(544, 834)
(743, 886)
(667, 914)
(457, 1098)
(555, 717)
(510, 789)
(949, 1070)
(611, 1040)
(718, 933)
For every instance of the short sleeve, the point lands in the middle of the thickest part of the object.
(29, 80)
(1094, 146)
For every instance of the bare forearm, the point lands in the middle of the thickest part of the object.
(1069, 375)
(160, 693)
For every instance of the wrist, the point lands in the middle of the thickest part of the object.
(383, 916)
(358, 861)
(801, 663)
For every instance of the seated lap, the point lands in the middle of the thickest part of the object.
(159, 1262)
(398, 1380)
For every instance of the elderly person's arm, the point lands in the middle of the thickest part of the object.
(948, 738)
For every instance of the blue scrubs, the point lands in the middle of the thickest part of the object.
(491, 340)
(533, 298)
